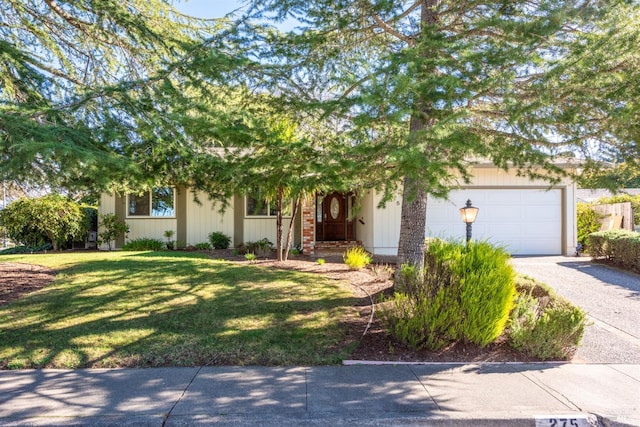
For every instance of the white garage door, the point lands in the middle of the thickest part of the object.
(525, 222)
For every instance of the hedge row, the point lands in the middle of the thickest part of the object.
(620, 247)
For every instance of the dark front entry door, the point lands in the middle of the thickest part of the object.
(334, 214)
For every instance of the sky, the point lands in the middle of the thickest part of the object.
(207, 8)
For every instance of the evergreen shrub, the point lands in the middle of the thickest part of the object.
(465, 293)
(544, 325)
(620, 247)
(219, 240)
(144, 244)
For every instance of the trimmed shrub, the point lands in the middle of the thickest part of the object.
(544, 325)
(356, 258)
(203, 246)
(620, 247)
(144, 244)
(466, 293)
(219, 240)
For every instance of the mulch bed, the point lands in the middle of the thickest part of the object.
(17, 279)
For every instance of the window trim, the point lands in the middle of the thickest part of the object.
(268, 208)
(127, 201)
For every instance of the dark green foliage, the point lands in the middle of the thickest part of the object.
(203, 246)
(589, 221)
(544, 325)
(466, 294)
(26, 249)
(620, 247)
(49, 219)
(144, 244)
(261, 248)
(219, 240)
(111, 227)
(420, 320)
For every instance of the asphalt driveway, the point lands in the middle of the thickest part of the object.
(610, 297)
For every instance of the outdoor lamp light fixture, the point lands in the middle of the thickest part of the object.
(469, 214)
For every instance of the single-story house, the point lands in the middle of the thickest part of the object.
(528, 217)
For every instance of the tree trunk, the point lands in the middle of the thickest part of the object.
(413, 223)
(290, 230)
(279, 224)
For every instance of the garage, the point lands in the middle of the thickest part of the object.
(526, 221)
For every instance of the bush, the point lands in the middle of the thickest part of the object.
(356, 257)
(26, 249)
(170, 243)
(144, 244)
(421, 319)
(466, 293)
(260, 248)
(589, 221)
(219, 240)
(50, 219)
(544, 325)
(620, 247)
(203, 246)
(111, 227)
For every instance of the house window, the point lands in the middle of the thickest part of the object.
(256, 206)
(158, 202)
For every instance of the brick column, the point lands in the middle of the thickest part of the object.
(308, 227)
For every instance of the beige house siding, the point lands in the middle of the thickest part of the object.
(365, 221)
(381, 231)
(152, 228)
(259, 228)
(202, 219)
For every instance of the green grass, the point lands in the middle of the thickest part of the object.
(113, 309)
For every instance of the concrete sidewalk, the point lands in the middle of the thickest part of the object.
(514, 394)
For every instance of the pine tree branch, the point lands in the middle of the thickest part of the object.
(72, 20)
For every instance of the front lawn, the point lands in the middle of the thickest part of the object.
(110, 309)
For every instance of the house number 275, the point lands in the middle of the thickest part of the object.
(562, 422)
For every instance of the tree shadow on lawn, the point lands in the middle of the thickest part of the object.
(158, 312)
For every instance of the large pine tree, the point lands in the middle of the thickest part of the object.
(425, 88)
(97, 92)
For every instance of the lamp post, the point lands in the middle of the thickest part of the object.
(469, 214)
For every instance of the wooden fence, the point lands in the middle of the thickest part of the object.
(616, 216)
